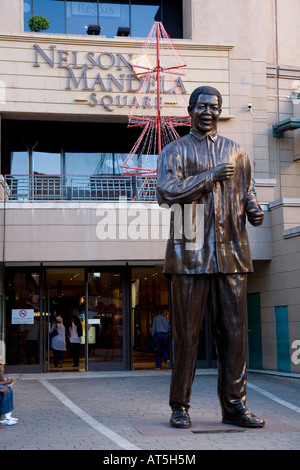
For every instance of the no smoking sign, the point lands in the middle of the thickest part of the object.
(22, 316)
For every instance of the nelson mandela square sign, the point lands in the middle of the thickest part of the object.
(108, 76)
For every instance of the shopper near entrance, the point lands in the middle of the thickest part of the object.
(6, 399)
(75, 333)
(203, 168)
(159, 332)
(58, 342)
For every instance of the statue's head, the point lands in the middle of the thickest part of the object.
(204, 90)
(205, 107)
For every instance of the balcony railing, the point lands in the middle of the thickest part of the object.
(79, 188)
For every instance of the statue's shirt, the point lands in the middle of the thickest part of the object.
(207, 231)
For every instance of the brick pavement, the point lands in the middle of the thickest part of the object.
(120, 411)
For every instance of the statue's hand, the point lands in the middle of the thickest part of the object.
(222, 172)
(256, 218)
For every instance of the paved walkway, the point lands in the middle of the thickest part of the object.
(123, 411)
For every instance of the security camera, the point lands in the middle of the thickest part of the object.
(249, 106)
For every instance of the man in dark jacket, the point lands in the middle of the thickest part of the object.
(206, 178)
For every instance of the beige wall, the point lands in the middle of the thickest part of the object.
(84, 232)
(278, 282)
(11, 17)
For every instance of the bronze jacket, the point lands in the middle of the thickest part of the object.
(207, 224)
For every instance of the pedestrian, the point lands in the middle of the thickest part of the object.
(6, 399)
(208, 178)
(58, 341)
(159, 331)
(75, 333)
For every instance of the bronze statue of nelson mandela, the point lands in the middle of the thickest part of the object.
(203, 168)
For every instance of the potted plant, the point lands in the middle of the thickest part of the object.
(38, 23)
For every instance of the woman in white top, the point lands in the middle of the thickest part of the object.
(58, 342)
(75, 333)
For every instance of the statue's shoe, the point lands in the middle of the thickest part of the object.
(180, 418)
(245, 419)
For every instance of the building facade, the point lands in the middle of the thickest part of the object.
(80, 237)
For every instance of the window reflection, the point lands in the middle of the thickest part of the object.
(112, 15)
(19, 167)
(19, 163)
(94, 163)
(45, 163)
(80, 14)
(53, 10)
(143, 15)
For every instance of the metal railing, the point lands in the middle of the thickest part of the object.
(79, 188)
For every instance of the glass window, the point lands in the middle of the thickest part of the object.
(46, 163)
(27, 14)
(143, 161)
(112, 15)
(143, 15)
(74, 16)
(93, 163)
(53, 10)
(19, 163)
(19, 168)
(80, 14)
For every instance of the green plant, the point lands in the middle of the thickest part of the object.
(38, 23)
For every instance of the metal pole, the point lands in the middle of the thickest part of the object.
(158, 90)
(86, 320)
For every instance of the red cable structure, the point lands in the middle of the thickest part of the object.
(159, 106)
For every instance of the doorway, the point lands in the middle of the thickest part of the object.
(95, 296)
(63, 297)
(36, 296)
(149, 292)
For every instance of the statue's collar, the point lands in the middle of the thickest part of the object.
(213, 137)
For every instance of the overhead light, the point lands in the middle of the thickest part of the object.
(93, 29)
(123, 31)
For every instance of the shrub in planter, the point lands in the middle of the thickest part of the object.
(38, 23)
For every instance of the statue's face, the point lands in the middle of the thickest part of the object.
(205, 114)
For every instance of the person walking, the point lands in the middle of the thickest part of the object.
(58, 341)
(6, 399)
(159, 331)
(75, 333)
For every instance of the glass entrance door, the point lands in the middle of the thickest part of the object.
(149, 296)
(63, 300)
(23, 320)
(105, 319)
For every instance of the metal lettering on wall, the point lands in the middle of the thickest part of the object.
(108, 76)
